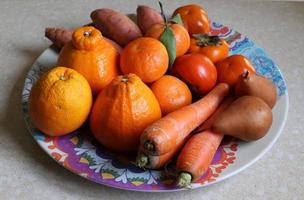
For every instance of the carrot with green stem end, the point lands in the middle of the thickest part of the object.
(164, 134)
(208, 123)
(155, 162)
(196, 156)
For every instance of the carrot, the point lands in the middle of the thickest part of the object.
(156, 162)
(164, 134)
(208, 123)
(59, 36)
(196, 156)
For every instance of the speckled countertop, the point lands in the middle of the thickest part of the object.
(26, 172)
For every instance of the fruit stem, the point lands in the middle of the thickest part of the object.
(149, 146)
(61, 77)
(184, 179)
(87, 34)
(142, 160)
(246, 74)
(124, 79)
(163, 13)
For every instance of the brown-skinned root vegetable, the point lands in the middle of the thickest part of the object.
(247, 118)
(115, 25)
(59, 36)
(256, 85)
(146, 17)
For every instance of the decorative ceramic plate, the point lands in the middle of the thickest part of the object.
(81, 154)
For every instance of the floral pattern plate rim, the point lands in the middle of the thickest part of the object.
(81, 154)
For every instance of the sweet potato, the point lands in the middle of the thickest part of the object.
(115, 25)
(146, 17)
(60, 37)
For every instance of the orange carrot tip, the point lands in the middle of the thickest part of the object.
(184, 180)
(142, 160)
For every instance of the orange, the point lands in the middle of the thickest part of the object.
(122, 111)
(60, 101)
(181, 35)
(91, 55)
(171, 93)
(146, 57)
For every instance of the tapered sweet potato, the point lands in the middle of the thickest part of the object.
(115, 25)
(147, 16)
(60, 37)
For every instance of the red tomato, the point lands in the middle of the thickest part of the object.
(196, 70)
(216, 50)
(229, 69)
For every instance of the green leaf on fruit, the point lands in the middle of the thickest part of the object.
(168, 40)
(177, 19)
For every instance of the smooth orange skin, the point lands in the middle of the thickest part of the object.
(229, 69)
(94, 57)
(197, 70)
(58, 107)
(122, 111)
(214, 53)
(198, 152)
(195, 18)
(181, 36)
(146, 57)
(171, 93)
(171, 129)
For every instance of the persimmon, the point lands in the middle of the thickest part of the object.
(213, 47)
(195, 18)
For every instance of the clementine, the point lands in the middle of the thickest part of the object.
(171, 93)
(146, 57)
(60, 101)
(122, 111)
(181, 36)
(92, 56)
